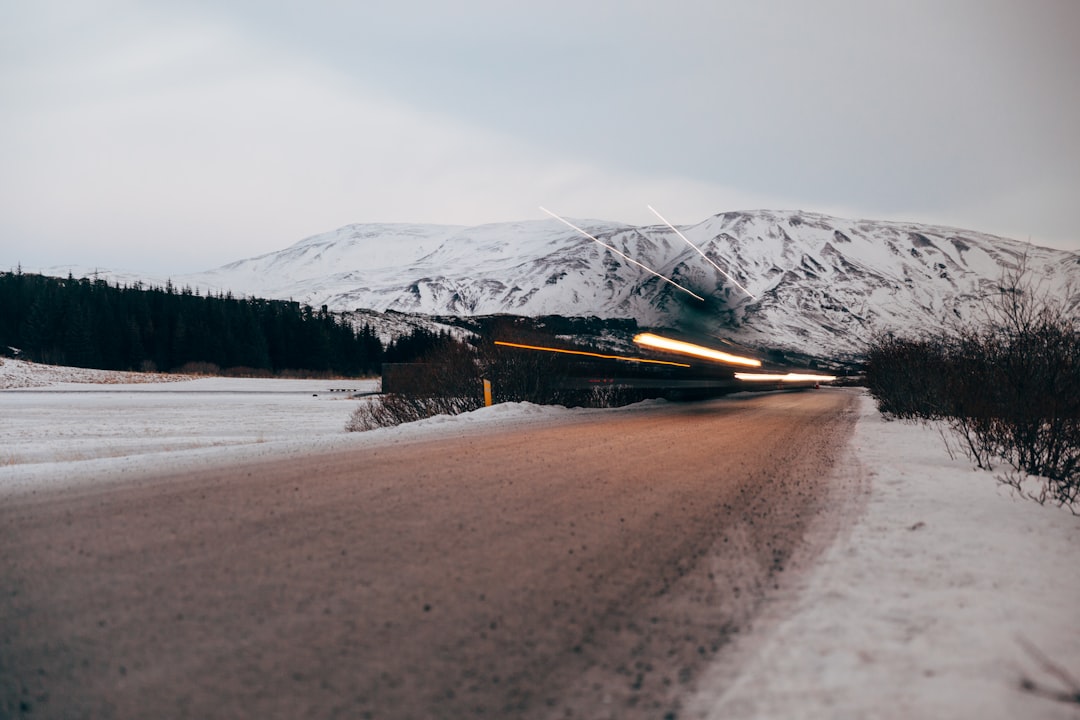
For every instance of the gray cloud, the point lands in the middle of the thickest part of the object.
(208, 118)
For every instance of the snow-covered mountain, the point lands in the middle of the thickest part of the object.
(821, 285)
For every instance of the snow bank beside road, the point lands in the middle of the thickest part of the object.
(66, 426)
(924, 609)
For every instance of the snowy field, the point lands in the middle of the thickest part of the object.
(47, 418)
(65, 426)
(938, 603)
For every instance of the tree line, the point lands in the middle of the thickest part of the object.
(91, 323)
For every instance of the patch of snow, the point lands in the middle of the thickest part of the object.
(24, 374)
(55, 431)
(925, 608)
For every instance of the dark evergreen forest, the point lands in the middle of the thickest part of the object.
(90, 323)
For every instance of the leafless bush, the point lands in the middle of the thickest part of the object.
(1007, 387)
(395, 409)
(611, 396)
(905, 375)
(199, 368)
(545, 378)
(519, 375)
(449, 381)
(449, 384)
(242, 371)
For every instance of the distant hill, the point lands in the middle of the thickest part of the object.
(822, 285)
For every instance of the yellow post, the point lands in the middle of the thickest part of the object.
(487, 393)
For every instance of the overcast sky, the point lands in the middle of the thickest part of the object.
(170, 137)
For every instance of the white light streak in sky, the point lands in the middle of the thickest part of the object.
(702, 254)
(623, 255)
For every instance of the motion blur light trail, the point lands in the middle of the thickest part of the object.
(590, 354)
(678, 346)
(622, 254)
(789, 377)
(702, 254)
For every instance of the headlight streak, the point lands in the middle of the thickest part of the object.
(622, 254)
(789, 377)
(685, 348)
(591, 354)
(668, 344)
(702, 254)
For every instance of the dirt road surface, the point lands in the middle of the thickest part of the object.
(588, 567)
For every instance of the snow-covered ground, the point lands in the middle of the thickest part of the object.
(20, 374)
(60, 415)
(65, 426)
(937, 603)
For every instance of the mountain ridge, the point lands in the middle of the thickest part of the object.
(821, 285)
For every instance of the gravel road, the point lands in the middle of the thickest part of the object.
(587, 567)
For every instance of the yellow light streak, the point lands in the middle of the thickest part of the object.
(685, 348)
(788, 377)
(590, 354)
(702, 254)
(622, 254)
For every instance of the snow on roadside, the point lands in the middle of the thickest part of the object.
(68, 415)
(925, 608)
(23, 374)
(57, 432)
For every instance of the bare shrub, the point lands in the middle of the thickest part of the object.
(1032, 347)
(449, 384)
(304, 374)
(518, 375)
(607, 396)
(1008, 387)
(449, 380)
(393, 409)
(199, 368)
(242, 371)
(905, 376)
(547, 378)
